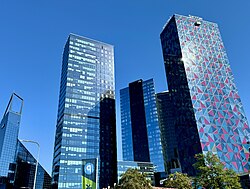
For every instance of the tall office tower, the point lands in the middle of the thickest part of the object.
(86, 113)
(209, 113)
(167, 127)
(9, 129)
(139, 121)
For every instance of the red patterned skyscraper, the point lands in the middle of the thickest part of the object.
(209, 115)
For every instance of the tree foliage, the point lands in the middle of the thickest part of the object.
(212, 175)
(133, 179)
(178, 180)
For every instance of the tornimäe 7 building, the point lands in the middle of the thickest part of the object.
(86, 113)
(209, 115)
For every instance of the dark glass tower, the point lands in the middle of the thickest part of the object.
(86, 113)
(138, 122)
(167, 126)
(209, 115)
(108, 151)
(140, 128)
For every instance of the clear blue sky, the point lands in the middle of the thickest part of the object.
(33, 34)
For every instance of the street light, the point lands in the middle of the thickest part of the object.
(34, 142)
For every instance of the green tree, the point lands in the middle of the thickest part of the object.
(178, 180)
(133, 179)
(211, 173)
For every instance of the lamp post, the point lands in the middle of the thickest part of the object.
(34, 142)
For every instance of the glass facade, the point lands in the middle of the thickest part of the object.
(140, 127)
(167, 127)
(17, 165)
(9, 129)
(87, 78)
(142, 167)
(25, 170)
(138, 122)
(127, 141)
(209, 112)
(108, 151)
(153, 126)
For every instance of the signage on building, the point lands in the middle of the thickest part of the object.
(89, 173)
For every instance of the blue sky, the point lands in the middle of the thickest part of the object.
(33, 34)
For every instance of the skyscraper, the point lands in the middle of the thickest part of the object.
(141, 140)
(168, 138)
(86, 113)
(9, 130)
(17, 165)
(209, 115)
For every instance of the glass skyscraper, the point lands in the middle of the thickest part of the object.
(209, 115)
(168, 138)
(139, 122)
(17, 165)
(86, 113)
(9, 129)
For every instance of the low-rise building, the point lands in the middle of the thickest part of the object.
(142, 167)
